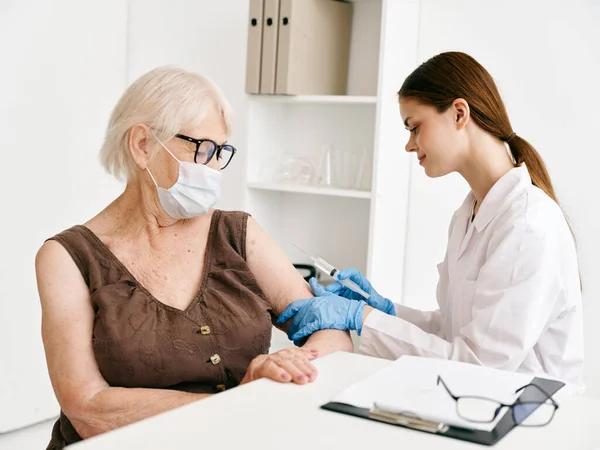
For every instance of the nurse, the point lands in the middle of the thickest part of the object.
(509, 292)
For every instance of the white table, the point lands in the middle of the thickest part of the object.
(268, 415)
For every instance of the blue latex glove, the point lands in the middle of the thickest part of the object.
(375, 300)
(325, 311)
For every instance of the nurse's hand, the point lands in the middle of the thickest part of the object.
(325, 311)
(375, 300)
(336, 288)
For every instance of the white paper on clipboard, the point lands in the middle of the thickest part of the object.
(409, 386)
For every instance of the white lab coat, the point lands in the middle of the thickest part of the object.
(509, 294)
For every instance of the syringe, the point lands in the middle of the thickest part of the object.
(330, 270)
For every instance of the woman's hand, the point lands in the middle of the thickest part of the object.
(375, 300)
(336, 288)
(285, 366)
(321, 313)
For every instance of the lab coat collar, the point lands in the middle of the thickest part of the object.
(504, 191)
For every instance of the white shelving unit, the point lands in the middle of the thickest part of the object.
(309, 189)
(362, 222)
(318, 99)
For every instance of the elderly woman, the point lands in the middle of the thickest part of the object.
(161, 300)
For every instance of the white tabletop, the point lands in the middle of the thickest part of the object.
(269, 415)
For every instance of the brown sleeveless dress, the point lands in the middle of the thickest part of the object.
(140, 342)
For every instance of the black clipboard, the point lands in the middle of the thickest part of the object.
(489, 438)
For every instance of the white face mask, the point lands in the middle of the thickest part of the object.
(197, 189)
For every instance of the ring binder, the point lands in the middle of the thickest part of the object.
(313, 47)
(269, 47)
(254, 48)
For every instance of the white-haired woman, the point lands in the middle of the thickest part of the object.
(161, 300)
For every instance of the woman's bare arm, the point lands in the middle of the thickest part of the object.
(67, 322)
(283, 284)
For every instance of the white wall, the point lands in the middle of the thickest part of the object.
(63, 69)
(545, 58)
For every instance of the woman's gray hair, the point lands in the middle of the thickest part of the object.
(167, 99)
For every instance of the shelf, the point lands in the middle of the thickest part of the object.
(317, 99)
(314, 190)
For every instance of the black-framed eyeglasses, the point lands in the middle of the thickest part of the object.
(524, 413)
(206, 149)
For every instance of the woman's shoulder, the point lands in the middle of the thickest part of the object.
(72, 243)
(234, 221)
(233, 215)
(533, 221)
(535, 212)
(73, 238)
(230, 228)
